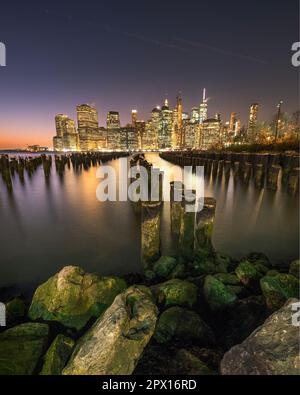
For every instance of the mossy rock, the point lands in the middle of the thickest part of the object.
(257, 257)
(189, 364)
(217, 295)
(272, 273)
(72, 297)
(21, 348)
(208, 266)
(164, 266)
(176, 293)
(228, 279)
(248, 274)
(178, 272)
(57, 355)
(178, 323)
(295, 269)
(15, 310)
(277, 290)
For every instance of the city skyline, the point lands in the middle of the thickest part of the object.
(131, 56)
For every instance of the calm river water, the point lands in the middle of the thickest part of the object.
(45, 227)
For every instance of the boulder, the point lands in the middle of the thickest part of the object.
(116, 341)
(277, 290)
(248, 274)
(228, 279)
(15, 310)
(72, 297)
(273, 349)
(57, 355)
(164, 266)
(178, 323)
(217, 295)
(208, 266)
(295, 269)
(21, 348)
(176, 293)
(186, 363)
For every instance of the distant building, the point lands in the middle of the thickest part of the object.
(166, 127)
(203, 108)
(140, 130)
(195, 115)
(191, 131)
(210, 133)
(66, 134)
(128, 138)
(134, 116)
(252, 122)
(91, 137)
(113, 130)
(37, 148)
(232, 122)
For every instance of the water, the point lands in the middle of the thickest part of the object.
(46, 227)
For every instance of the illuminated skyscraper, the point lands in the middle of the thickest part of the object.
(178, 137)
(165, 127)
(113, 130)
(232, 122)
(210, 133)
(140, 130)
(195, 115)
(66, 134)
(134, 115)
(90, 136)
(203, 108)
(251, 135)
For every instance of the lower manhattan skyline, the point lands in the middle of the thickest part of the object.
(131, 56)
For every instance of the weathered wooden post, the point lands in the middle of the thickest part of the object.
(293, 181)
(204, 229)
(272, 177)
(150, 243)
(259, 175)
(247, 172)
(176, 194)
(187, 226)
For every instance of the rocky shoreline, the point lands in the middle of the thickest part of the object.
(234, 322)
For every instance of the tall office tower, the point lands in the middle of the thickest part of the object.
(128, 138)
(191, 133)
(238, 126)
(218, 117)
(140, 130)
(252, 122)
(113, 130)
(232, 122)
(179, 123)
(165, 127)
(134, 115)
(113, 120)
(156, 126)
(210, 133)
(66, 134)
(195, 115)
(150, 136)
(90, 139)
(203, 108)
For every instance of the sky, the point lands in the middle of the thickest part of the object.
(130, 54)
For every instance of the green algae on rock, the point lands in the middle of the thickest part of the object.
(72, 297)
(21, 348)
(164, 266)
(217, 295)
(180, 323)
(277, 290)
(57, 355)
(176, 293)
(116, 341)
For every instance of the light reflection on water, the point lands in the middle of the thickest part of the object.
(44, 227)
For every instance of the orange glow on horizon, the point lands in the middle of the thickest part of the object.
(10, 139)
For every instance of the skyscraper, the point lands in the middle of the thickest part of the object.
(165, 127)
(113, 130)
(210, 133)
(178, 126)
(232, 122)
(66, 134)
(134, 115)
(90, 137)
(195, 115)
(251, 135)
(203, 108)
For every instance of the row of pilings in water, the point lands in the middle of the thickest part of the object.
(266, 169)
(21, 165)
(191, 230)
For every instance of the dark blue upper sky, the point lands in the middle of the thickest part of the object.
(130, 54)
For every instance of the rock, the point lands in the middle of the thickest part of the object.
(15, 310)
(164, 266)
(176, 293)
(57, 355)
(208, 266)
(228, 279)
(21, 348)
(188, 364)
(257, 257)
(277, 290)
(237, 290)
(248, 274)
(295, 269)
(272, 273)
(273, 349)
(186, 325)
(178, 272)
(217, 295)
(116, 341)
(241, 319)
(72, 297)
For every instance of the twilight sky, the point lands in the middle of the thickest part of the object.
(120, 55)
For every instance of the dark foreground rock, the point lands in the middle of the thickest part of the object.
(21, 348)
(176, 293)
(57, 355)
(114, 344)
(72, 297)
(278, 289)
(273, 349)
(178, 323)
